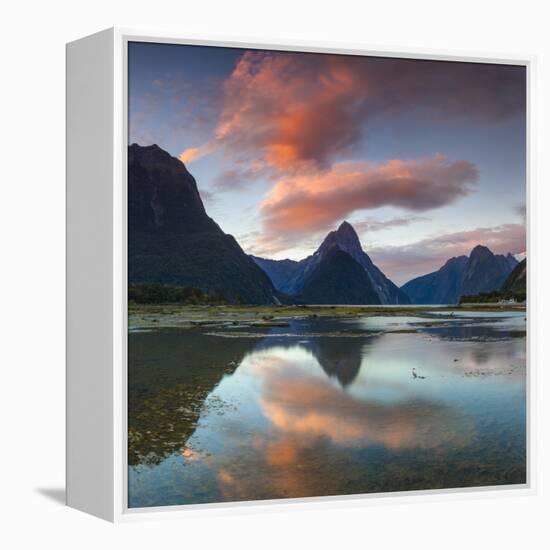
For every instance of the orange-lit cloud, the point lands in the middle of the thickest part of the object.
(297, 121)
(315, 201)
(296, 110)
(288, 111)
(195, 153)
(291, 111)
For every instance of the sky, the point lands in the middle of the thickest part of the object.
(426, 159)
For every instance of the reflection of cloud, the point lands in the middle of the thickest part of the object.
(494, 358)
(191, 455)
(319, 438)
(226, 477)
(282, 452)
(306, 451)
(345, 421)
(311, 408)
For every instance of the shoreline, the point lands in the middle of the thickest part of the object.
(190, 316)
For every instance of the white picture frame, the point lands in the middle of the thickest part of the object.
(97, 267)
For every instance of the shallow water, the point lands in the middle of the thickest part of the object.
(326, 407)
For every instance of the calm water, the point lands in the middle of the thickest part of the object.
(326, 407)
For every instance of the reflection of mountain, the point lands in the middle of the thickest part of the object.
(339, 357)
(305, 436)
(169, 379)
(482, 271)
(339, 272)
(171, 239)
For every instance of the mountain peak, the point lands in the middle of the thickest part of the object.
(165, 194)
(346, 231)
(340, 252)
(344, 238)
(345, 226)
(153, 157)
(480, 251)
(174, 241)
(482, 271)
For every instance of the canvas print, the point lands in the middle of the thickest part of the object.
(326, 275)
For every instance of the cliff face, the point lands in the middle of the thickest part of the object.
(516, 282)
(439, 287)
(481, 271)
(171, 238)
(485, 271)
(295, 278)
(337, 278)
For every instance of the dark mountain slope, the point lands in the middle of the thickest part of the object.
(517, 280)
(485, 271)
(292, 277)
(279, 271)
(338, 279)
(346, 238)
(514, 288)
(482, 271)
(171, 239)
(439, 287)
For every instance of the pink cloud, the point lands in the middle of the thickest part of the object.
(311, 202)
(289, 117)
(294, 109)
(402, 263)
(381, 225)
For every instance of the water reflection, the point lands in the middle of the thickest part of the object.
(220, 419)
(298, 402)
(339, 357)
(171, 373)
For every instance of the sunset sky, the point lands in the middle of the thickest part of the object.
(426, 159)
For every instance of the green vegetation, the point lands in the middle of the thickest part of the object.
(170, 376)
(155, 316)
(157, 293)
(286, 311)
(514, 288)
(494, 297)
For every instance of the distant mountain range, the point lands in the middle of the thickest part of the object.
(171, 239)
(482, 271)
(514, 288)
(339, 272)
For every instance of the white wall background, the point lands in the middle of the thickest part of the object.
(32, 270)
